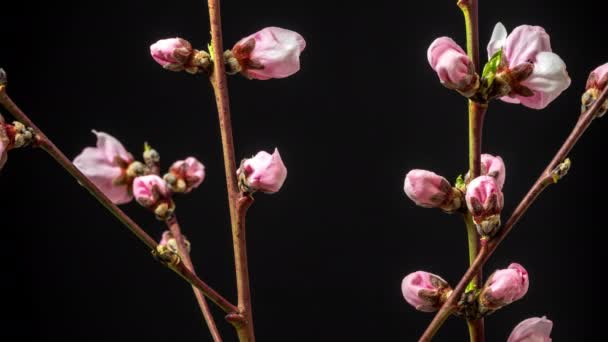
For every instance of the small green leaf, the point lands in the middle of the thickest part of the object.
(460, 183)
(489, 70)
(210, 47)
(471, 287)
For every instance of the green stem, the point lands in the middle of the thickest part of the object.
(47, 145)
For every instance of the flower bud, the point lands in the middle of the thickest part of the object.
(4, 143)
(534, 75)
(494, 167)
(272, 52)
(185, 175)
(106, 166)
(172, 54)
(429, 190)
(425, 291)
(504, 287)
(485, 201)
(535, 329)
(151, 192)
(264, 172)
(169, 242)
(453, 66)
(595, 84)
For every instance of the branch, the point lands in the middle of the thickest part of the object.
(545, 179)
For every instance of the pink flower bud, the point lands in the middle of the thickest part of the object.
(264, 172)
(598, 77)
(530, 45)
(105, 165)
(453, 66)
(4, 143)
(485, 201)
(505, 286)
(172, 54)
(494, 167)
(427, 189)
(535, 329)
(149, 190)
(272, 52)
(425, 291)
(186, 175)
(170, 243)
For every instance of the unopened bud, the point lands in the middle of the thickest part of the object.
(425, 291)
(151, 192)
(596, 82)
(485, 201)
(453, 66)
(504, 287)
(185, 175)
(430, 190)
(264, 172)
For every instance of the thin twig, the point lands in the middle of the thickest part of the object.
(47, 145)
(184, 254)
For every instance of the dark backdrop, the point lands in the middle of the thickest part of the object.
(327, 253)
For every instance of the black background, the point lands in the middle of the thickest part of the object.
(327, 253)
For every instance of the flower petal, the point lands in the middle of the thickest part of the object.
(548, 80)
(499, 35)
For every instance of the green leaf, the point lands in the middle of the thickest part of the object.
(210, 47)
(460, 183)
(489, 70)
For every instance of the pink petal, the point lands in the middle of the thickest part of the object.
(535, 329)
(499, 36)
(549, 79)
(265, 172)
(524, 43)
(148, 190)
(427, 189)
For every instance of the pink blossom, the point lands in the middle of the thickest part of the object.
(505, 286)
(264, 172)
(149, 190)
(531, 45)
(484, 197)
(272, 52)
(493, 166)
(105, 165)
(424, 291)
(535, 329)
(172, 54)
(190, 171)
(598, 77)
(453, 66)
(427, 189)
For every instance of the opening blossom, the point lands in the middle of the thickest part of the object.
(272, 52)
(596, 82)
(172, 54)
(453, 66)
(529, 48)
(429, 190)
(505, 286)
(535, 329)
(185, 175)
(151, 192)
(106, 166)
(425, 291)
(264, 172)
(485, 200)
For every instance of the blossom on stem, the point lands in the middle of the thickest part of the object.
(185, 175)
(151, 192)
(504, 287)
(485, 200)
(172, 53)
(453, 66)
(535, 329)
(106, 165)
(596, 82)
(272, 52)
(494, 167)
(264, 172)
(430, 190)
(425, 291)
(534, 74)
(4, 143)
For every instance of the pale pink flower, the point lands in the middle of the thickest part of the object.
(149, 190)
(598, 77)
(264, 172)
(493, 166)
(531, 45)
(453, 66)
(535, 329)
(484, 197)
(424, 291)
(272, 52)
(172, 54)
(190, 171)
(505, 286)
(427, 189)
(105, 165)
